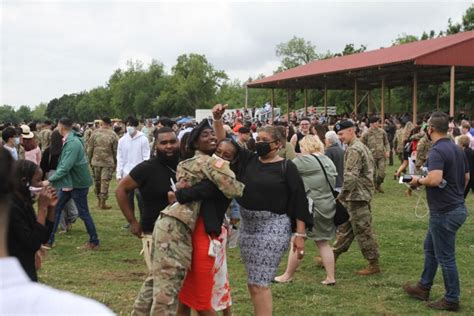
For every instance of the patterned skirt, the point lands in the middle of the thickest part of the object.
(264, 238)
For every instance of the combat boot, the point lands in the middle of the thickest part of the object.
(372, 268)
(417, 291)
(103, 205)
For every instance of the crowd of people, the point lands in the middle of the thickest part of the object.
(268, 184)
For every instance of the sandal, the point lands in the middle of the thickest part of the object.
(275, 280)
(327, 283)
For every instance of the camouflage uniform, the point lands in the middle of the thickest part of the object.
(398, 143)
(356, 194)
(102, 153)
(422, 149)
(87, 136)
(172, 242)
(44, 138)
(377, 141)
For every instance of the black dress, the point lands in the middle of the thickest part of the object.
(26, 235)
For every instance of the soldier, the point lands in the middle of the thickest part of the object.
(172, 244)
(44, 136)
(422, 149)
(377, 141)
(102, 153)
(88, 133)
(356, 194)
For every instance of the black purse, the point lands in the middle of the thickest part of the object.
(341, 215)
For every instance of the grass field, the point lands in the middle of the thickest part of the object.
(114, 274)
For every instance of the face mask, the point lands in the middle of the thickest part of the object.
(34, 190)
(16, 141)
(263, 148)
(130, 130)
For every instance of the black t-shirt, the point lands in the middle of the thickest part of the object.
(446, 156)
(153, 178)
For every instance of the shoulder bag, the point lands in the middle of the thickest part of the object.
(341, 215)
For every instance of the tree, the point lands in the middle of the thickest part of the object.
(8, 115)
(468, 19)
(404, 39)
(193, 84)
(38, 113)
(24, 113)
(295, 52)
(350, 49)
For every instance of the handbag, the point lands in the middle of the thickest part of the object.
(341, 215)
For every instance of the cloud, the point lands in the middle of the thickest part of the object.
(52, 48)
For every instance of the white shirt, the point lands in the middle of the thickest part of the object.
(471, 140)
(131, 152)
(12, 151)
(21, 296)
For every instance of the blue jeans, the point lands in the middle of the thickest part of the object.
(80, 199)
(439, 249)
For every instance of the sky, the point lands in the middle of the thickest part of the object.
(51, 48)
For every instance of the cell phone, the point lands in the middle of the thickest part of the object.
(406, 178)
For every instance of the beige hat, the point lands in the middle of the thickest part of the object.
(26, 132)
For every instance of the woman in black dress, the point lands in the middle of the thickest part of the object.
(273, 205)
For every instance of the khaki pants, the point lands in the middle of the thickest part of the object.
(358, 227)
(102, 177)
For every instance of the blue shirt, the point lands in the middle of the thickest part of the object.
(446, 156)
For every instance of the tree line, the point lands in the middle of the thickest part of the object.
(194, 83)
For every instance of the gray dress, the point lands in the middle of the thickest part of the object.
(320, 192)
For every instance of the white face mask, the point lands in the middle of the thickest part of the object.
(130, 130)
(16, 141)
(34, 190)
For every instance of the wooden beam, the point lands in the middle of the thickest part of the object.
(382, 100)
(325, 100)
(369, 101)
(389, 99)
(437, 98)
(288, 104)
(355, 97)
(246, 96)
(273, 104)
(415, 96)
(451, 91)
(305, 102)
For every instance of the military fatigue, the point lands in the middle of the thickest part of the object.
(44, 138)
(87, 136)
(102, 154)
(172, 244)
(377, 141)
(398, 143)
(356, 194)
(422, 149)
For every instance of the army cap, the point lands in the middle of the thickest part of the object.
(343, 125)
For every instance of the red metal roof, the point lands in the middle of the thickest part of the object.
(457, 50)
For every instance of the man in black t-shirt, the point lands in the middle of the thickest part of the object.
(448, 175)
(154, 179)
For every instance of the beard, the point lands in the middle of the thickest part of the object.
(170, 161)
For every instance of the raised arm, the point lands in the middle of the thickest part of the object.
(217, 113)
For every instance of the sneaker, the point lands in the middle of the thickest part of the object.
(444, 305)
(89, 246)
(417, 291)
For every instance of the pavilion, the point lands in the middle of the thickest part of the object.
(432, 61)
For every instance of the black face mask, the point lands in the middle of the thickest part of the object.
(428, 134)
(170, 161)
(263, 148)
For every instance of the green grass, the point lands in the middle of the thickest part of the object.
(114, 274)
